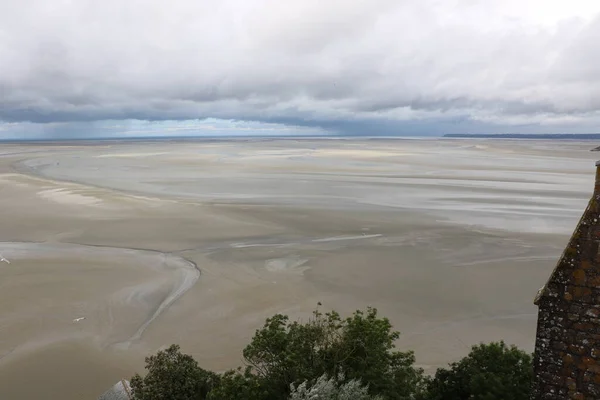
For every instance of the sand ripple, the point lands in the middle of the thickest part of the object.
(172, 276)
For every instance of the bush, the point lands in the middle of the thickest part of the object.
(490, 372)
(173, 376)
(328, 357)
(360, 347)
(326, 389)
(240, 385)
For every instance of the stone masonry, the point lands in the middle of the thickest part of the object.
(567, 349)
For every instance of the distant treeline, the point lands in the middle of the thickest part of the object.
(561, 136)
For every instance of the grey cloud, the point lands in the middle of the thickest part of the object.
(341, 65)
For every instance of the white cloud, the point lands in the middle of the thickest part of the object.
(303, 62)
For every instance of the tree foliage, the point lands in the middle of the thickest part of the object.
(240, 385)
(360, 347)
(329, 357)
(173, 376)
(492, 371)
(327, 389)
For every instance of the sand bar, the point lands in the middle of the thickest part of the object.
(448, 238)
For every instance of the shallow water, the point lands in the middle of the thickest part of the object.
(498, 184)
(448, 238)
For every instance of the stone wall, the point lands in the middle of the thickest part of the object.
(567, 350)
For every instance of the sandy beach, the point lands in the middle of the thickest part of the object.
(109, 252)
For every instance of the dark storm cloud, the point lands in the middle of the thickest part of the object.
(379, 65)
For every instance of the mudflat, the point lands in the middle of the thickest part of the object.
(111, 251)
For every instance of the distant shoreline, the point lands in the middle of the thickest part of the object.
(553, 136)
(219, 138)
(216, 138)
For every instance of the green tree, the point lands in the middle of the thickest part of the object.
(369, 355)
(240, 385)
(492, 371)
(173, 376)
(360, 347)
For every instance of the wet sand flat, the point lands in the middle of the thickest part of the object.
(113, 251)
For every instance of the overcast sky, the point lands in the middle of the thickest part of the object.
(409, 67)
